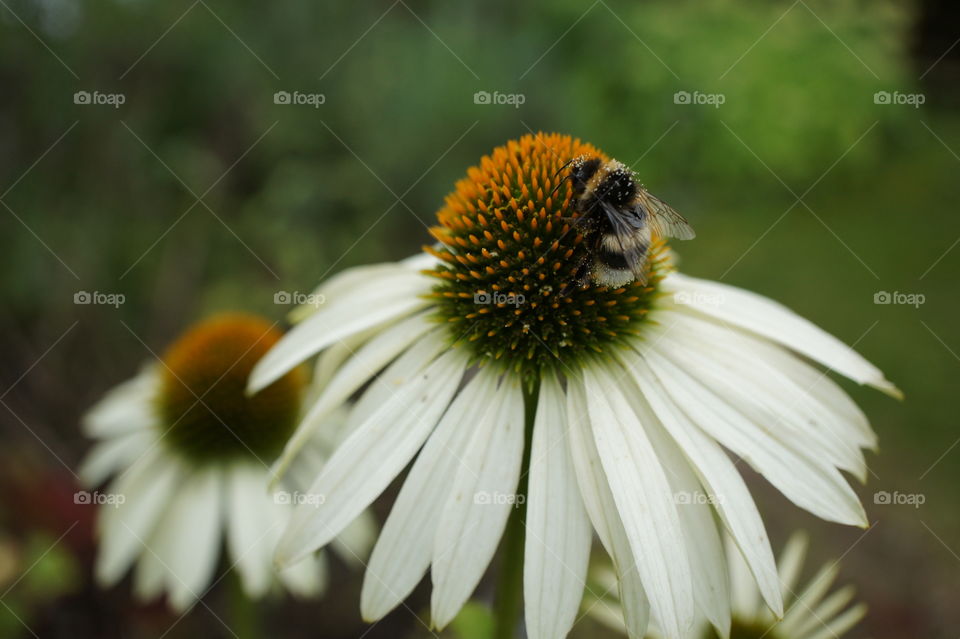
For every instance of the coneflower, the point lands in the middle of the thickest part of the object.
(190, 452)
(595, 406)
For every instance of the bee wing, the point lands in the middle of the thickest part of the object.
(625, 227)
(663, 220)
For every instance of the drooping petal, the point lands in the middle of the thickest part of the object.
(354, 542)
(602, 509)
(645, 502)
(254, 524)
(704, 545)
(404, 548)
(147, 488)
(720, 478)
(811, 483)
(774, 321)
(113, 454)
(189, 538)
(378, 302)
(744, 367)
(307, 578)
(125, 408)
(374, 453)
(339, 288)
(558, 531)
(477, 508)
(361, 367)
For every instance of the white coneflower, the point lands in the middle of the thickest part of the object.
(810, 612)
(190, 451)
(622, 399)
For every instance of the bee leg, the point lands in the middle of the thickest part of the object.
(580, 279)
(575, 222)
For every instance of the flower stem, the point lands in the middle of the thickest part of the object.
(509, 597)
(243, 611)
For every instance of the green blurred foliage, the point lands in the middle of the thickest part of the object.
(296, 193)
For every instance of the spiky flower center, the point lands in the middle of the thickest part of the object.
(205, 411)
(509, 255)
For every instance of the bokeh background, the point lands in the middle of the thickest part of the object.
(200, 193)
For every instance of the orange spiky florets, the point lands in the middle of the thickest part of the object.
(202, 400)
(507, 249)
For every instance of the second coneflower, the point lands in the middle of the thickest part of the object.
(603, 409)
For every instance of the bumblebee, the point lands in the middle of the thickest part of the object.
(619, 219)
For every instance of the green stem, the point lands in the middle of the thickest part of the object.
(244, 613)
(509, 597)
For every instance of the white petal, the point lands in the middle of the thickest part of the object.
(329, 362)
(558, 532)
(811, 483)
(745, 368)
(382, 301)
(827, 609)
(114, 454)
(369, 459)
(774, 321)
(602, 510)
(745, 599)
(254, 524)
(125, 408)
(190, 546)
(399, 373)
(146, 487)
(403, 551)
(307, 578)
(791, 561)
(645, 502)
(340, 287)
(353, 544)
(719, 476)
(362, 366)
(841, 624)
(470, 529)
(816, 387)
(802, 608)
(703, 542)
(150, 576)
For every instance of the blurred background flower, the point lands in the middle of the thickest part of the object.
(188, 453)
(811, 610)
(819, 181)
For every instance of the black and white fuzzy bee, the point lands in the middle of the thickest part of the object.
(619, 219)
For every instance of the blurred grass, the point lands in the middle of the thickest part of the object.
(296, 193)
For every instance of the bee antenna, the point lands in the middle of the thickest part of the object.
(559, 171)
